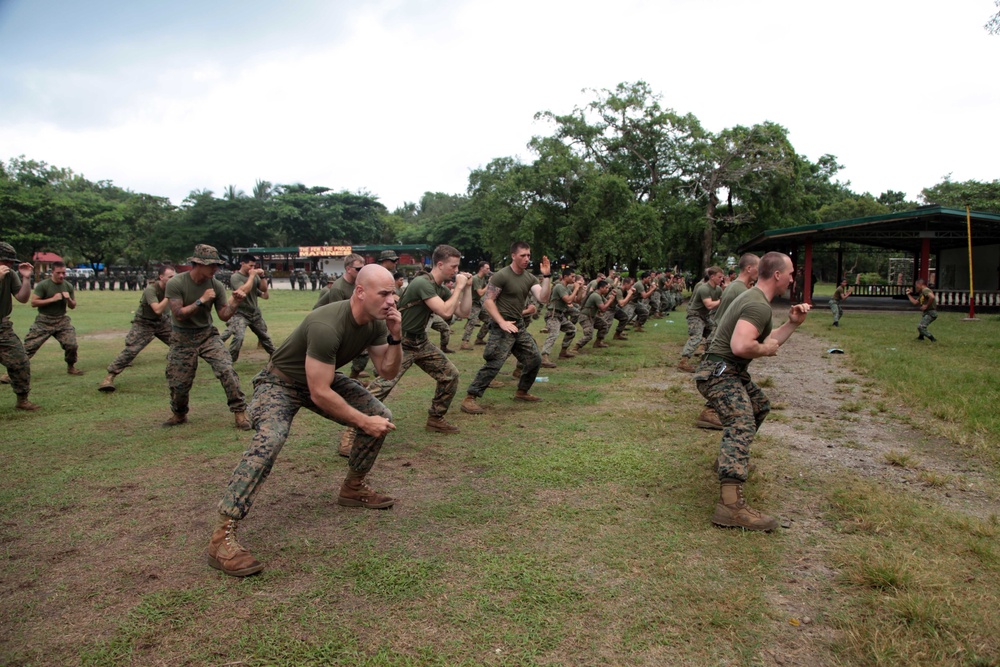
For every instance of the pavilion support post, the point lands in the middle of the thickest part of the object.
(840, 265)
(925, 260)
(807, 273)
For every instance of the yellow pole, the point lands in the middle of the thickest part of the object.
(968, 230)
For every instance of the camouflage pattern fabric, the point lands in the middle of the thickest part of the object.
(624, 316)
(501, 345)
(696, 334)
(742, 407)
(430, 360)
(14, 359)
(837, 310)
(438, 324)
(925, 321)
(58, 327)
(139, 336)
(476, 314)
(237, 328)
(186, 345)
(274, 405)
(588, 325)
(557, 321)
(641, 312)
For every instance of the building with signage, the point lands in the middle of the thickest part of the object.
(330, 259)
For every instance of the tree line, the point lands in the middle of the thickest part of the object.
(621, 180)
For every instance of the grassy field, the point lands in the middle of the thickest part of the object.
(574, 531)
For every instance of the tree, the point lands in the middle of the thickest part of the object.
(979, 195)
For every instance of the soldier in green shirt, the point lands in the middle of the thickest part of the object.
(477, 315)
(594, 306)
(51, 297)
(837, 301)
(745, 333)
(928, 306)
(703, 301)
(15, 284)
(564, 293)
(191, 296)
(248, 314)
(341, 290)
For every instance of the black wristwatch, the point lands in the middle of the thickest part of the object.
(198, 303)
(391, 341)
(546, 275)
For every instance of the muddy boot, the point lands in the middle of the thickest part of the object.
(24, 404)
(619, 336)
(600, 343)
(346, 442)
(440, 425)
(355, 492)
(495, 384)
(520, 395)
(480, 341)
(566, 353)
(709, 419)
(107, 384)
(466, 345)
(546, 362)
(242, 423)
(470, 407)
(638, 329)
(226, 554)
(732, 510)
(175, 420)
(73, 370)
(685, 365)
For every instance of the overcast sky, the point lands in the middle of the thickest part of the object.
(399, 97)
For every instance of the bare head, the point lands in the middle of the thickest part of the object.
(164, 274)
(58, 272)
(748, 265)
(714, 276)
(353, 263)
(374, 292)
(445, 260)
(776, 269)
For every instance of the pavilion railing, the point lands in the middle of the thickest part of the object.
(879, 290)
(961, 298)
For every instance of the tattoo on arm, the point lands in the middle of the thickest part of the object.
(492, 292)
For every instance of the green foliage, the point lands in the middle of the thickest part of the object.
(979, 195)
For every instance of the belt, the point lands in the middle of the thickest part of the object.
(273, 370)
(715, 357)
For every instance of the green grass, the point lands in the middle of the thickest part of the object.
(573, 531)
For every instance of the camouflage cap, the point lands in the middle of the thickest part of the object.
(7, 252)
(205, 254)
(388, 255)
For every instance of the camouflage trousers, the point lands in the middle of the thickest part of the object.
(186, 345)
(925, 321)
(274, 405)
(742, 407)
(588, 325)
(49, 326)
(477, 314)
(837, 310)
(557, 321)
(624, 316)
(641, 313)
(237, 328)
(696, 333)
(501, 345)
(438, 324)
(14, 359)
(139, 336)
(430, 360)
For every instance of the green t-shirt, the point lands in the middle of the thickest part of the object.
(415, 316)
(9, 286)
(751, 306)
(556, 297)
(340, 290)
(591, 307)
(330, 335)
(514, 291)
(927, 298)
(249, 305)
(838, 294)
(478, 283)
(48, 289)
(183, 287)
(152, 294)
(697, 307)
(729, 295)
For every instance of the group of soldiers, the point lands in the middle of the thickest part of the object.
(368, 315)
(130, 280)
(315, 278)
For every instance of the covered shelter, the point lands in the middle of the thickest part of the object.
(926, 232)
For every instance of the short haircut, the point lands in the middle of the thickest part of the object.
(919, 281)
(398, 275)
(770, 264)
(601, 283)
(353, 258)
(481, 264)
(248, 257)
(747, 261)
(444, 252)
(163, 269)
(517, 246)
(711, 271)
(567, 272)
(58, 265)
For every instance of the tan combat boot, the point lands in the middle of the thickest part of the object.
(546, 362)
(346, 442)
(176, 419)
(73, 370)
(4, 379)
(480, 341)
(709, 419)
(638, 329)
(470, 407)
(107, 384)
(438, 424)
(355, 492)
(685, 365)
(600, 343)
(619, 336)
(24, 404)
(520, 395)
(466, 345)
(358, 375)
(516, 373)
(241, 421)
(566, 353)
(732, 510)
(226, 554)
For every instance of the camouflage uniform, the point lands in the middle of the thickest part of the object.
(14, 358)
(438, 324)
(742, 407)
(237, 328)
(274, 405)
(186, 345)
(60, 328)
(476, 314)
(420, 351)
(501, 345)
(141, 334)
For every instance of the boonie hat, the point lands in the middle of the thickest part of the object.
(388, 254)
(205, 254)
(7, 252)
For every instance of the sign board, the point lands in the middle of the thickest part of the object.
(324, 250)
